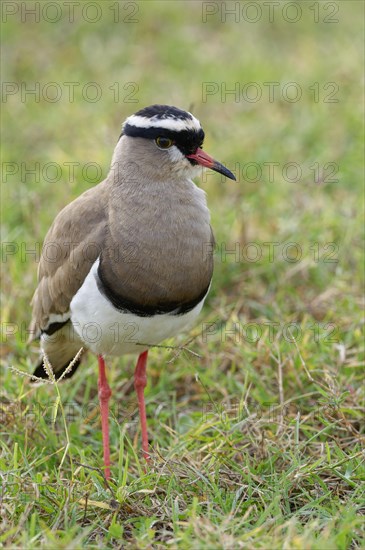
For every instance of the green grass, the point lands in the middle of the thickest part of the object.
(258, 442)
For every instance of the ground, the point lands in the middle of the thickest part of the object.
(256, 416)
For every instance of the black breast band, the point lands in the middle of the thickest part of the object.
(126, 305)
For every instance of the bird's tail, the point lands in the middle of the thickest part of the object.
(60, 348)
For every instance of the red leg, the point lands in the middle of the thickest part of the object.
(104, 395)
(140, 381)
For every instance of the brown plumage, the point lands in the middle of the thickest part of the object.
(153, 239)
(68, 254)
(135, 250)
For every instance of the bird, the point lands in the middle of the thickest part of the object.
(129, 262)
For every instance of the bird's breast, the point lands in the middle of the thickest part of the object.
(158, 258)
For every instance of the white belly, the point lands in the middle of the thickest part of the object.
(107, 331)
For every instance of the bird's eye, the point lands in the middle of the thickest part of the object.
(164, 143)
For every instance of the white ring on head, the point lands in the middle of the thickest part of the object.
(170, 123)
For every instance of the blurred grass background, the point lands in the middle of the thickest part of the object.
(264, 448)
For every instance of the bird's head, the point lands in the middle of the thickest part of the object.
(169, 141)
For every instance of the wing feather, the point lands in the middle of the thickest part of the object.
(72, 244)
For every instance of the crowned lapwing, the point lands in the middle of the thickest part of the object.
(129, 262)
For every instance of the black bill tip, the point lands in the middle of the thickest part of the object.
(218, 167)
